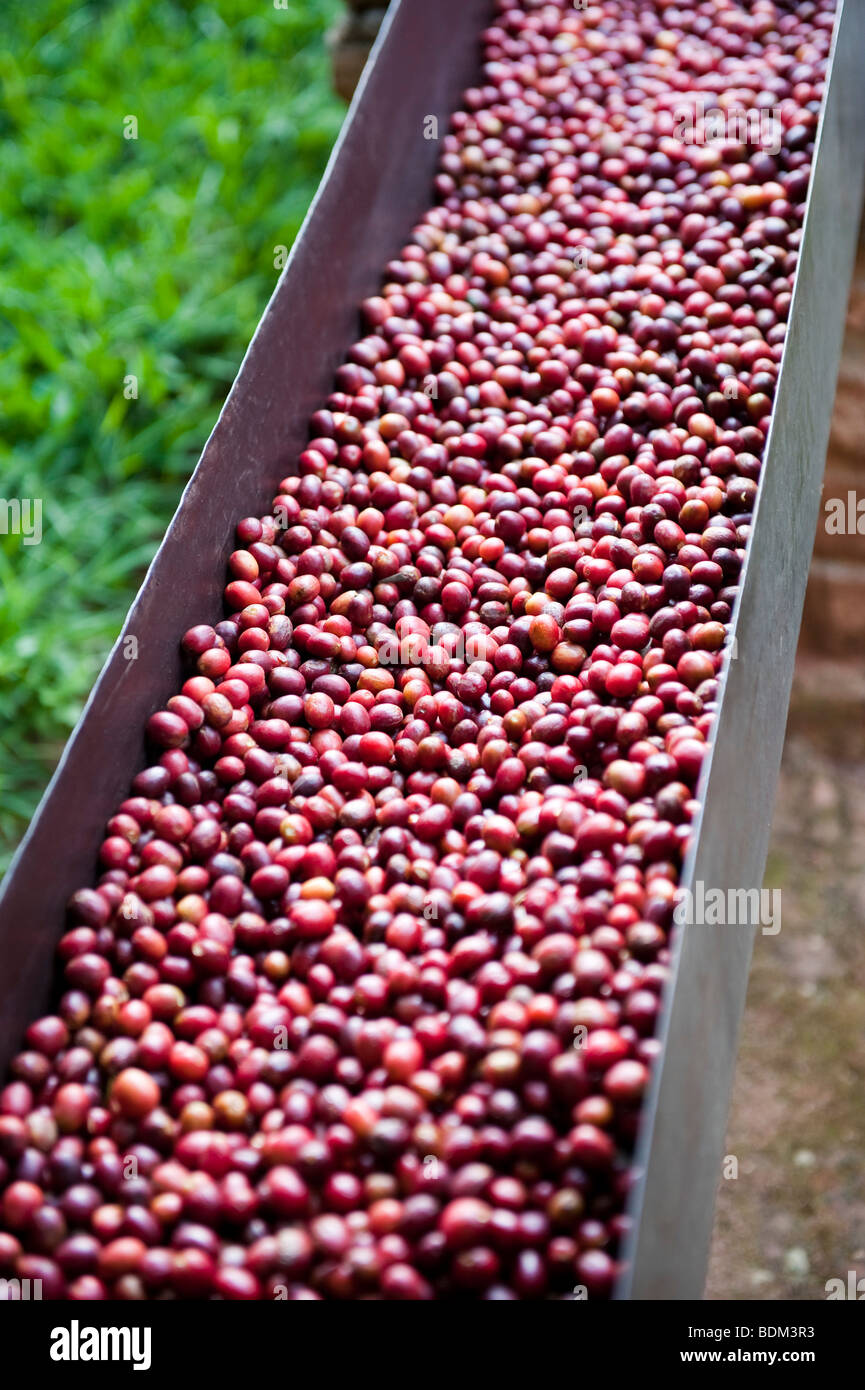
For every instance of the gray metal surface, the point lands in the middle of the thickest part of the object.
(682, 1141)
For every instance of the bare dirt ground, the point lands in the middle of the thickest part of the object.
(795, 1215)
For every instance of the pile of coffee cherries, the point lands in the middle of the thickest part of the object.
(364, 1001)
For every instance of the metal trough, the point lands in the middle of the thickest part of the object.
(376, 185)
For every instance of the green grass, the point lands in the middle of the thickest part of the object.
(149, 258)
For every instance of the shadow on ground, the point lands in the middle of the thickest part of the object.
(795, 1215)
